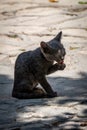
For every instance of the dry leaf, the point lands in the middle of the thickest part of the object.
(53, 0)
(73, 48)
(83, 124)
(56, 123)
(22, 49)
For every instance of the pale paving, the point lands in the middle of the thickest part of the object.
(23, 25)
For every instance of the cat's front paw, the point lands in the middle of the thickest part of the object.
(54, 94)
(62, 66)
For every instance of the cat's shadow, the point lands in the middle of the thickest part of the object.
(71, 90)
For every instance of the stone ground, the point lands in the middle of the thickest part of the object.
(23, 24)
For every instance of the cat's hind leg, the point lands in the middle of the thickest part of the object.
(39, 93)
(34, 94)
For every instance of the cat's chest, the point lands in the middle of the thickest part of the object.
(46, 66)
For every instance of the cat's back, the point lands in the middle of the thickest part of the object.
(32, 61)
(23, 57)
(22, 62)
(28, 59)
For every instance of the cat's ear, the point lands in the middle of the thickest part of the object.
(45, 47)
(59, 36)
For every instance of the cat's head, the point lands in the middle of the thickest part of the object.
(53, 50)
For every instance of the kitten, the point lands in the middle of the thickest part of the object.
(31, 67)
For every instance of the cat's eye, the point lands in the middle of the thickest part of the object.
(59, 51)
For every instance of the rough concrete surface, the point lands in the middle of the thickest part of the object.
(23, 25)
